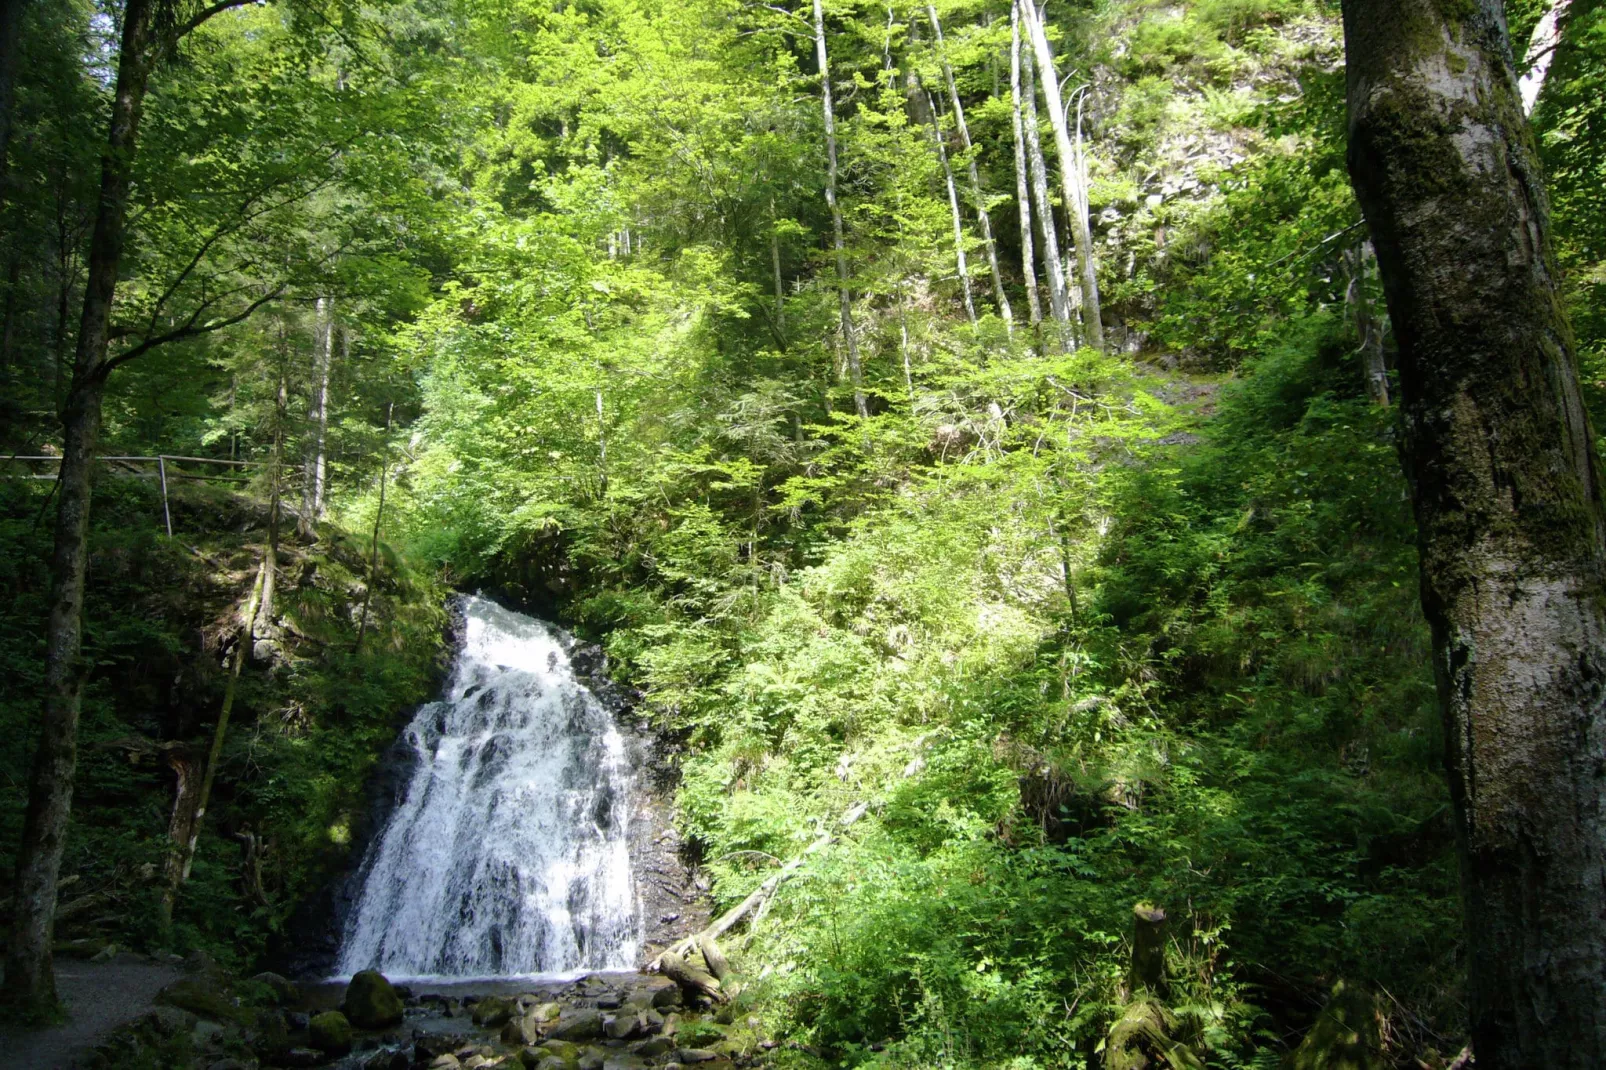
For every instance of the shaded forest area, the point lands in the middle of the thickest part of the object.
(996, 441)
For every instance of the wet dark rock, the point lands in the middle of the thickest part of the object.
(301, 1057)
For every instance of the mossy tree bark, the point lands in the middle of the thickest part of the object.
(1507, 493)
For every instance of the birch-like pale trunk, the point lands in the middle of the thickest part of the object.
(960, 262)
(1023, 196)
(974, 173)
(775, 265)
(1541, 53)
(1072, 177)
(1058, 299)
(844, 294)
(1508, 495)
(323, 343)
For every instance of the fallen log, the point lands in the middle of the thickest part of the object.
(691, 978)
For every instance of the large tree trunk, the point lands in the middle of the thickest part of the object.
(975, 174)
(1058, 299)
(961, 265)
(1508, 504)
(1541, 53)
(30, 980)
(1023, 197)
(839, 242)
(1072, 177)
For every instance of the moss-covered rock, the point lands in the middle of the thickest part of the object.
(372, 1002)
(330, 1033)
(206, 1000)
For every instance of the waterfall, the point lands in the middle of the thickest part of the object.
(507, 854)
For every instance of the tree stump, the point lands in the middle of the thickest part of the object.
(1147, 972)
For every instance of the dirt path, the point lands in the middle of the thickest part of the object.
(99, 997)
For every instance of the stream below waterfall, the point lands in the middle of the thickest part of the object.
(507, 852)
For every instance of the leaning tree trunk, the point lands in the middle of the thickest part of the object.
(1058, 298)
(1023, 197)
(975, 174)
(1508, 505)
(844, 296)
(1072, 178)
(30, 980)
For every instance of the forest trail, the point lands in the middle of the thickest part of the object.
(99, 997)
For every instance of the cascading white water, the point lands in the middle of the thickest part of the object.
(508, 854)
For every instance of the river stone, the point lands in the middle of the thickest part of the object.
(582, 1025)
(653, 1047)
(330, 1032)
(284, 990)
(170, 1021)
(562, 1049)
(444, 1061)
(620, 1027)
(592, 1059)
(389, 1060)
(301, 1057)
(372, 1002)
(695, 1055)
(624, 1062)
(521, 1031)
(547, 1012)
(493, 1011)
(230, 1064)
(198, 997)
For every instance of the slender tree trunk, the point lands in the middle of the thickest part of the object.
(775, 265)
(379, 518)
(30, 979)
(1058, 299)
(10, 40)
(1071, 176)
(960, 262)
(1508, 506)
(974, 173)
(839, 242)
(1023, 197)
(323, 344)
(189, 806)
(1541, 53)
(1368, 327)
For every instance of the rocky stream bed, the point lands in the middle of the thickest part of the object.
(208, 1020)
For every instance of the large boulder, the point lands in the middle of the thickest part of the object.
(372, 1002)
(581, 1025)
(330, 1033)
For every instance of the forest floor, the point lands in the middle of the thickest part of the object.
(99, 997)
